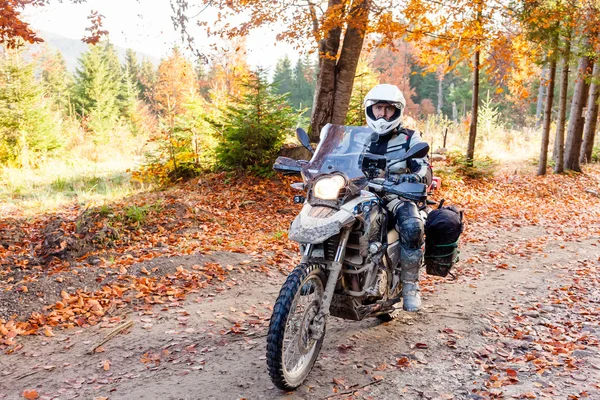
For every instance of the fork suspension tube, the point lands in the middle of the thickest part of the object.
(334, 273)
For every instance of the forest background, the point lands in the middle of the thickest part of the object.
(117, 126)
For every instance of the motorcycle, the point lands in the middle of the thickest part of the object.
(350, 253)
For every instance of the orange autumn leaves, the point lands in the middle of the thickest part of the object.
(246, 215)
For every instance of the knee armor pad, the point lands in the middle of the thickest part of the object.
(409, 225)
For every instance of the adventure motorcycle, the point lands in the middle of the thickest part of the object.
(350, 253)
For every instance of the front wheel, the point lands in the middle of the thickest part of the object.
(295, 337)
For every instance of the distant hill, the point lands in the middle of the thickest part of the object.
(71, 49)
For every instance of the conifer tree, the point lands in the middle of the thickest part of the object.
(254, 126)
(128, 95)
(132, 68)
(28, 127)
(282, 78)
(303, 87)
(95, 90)
(56, 79)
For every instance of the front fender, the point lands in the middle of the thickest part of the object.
(313, 230)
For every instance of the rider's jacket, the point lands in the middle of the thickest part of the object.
(397, 142)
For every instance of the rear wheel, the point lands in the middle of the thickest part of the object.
(295, 337)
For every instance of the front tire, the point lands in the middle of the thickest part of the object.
(292, 347)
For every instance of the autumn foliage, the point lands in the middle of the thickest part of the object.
(220, 213)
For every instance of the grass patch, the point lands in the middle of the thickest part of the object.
(481, 167)
(60, 182)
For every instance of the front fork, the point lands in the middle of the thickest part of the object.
(318, 324)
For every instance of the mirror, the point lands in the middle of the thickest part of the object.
(419, 150)
(304, 139)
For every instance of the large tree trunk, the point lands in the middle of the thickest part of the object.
(348, 62)
(576, 118)
(474, 109)
(325, 88)
(336, 76)
(591, 118)
(559, 141)
(547, 116)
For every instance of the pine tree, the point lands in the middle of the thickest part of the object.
(128, 95)
(28, 127)
(254, 127)
(282, 78)
(132, 66)
(56, 79)
(303, 88)
(96, 90)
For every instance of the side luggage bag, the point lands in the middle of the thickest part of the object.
(442, 233)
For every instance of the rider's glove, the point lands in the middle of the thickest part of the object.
(412, 178)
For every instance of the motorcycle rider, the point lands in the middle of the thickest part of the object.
(384, 105)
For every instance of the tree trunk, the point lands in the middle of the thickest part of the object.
(547, 115)
(591, 118)
(474, 109)
(325, 88)
(576, 118)
(348, 62)
(540, 99)
(440, 103)
(336, 76)
(559, 142)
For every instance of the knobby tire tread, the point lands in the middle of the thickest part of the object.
(278, 322)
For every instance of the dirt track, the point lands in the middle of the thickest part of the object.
(498, 325)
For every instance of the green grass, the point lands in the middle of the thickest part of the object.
(136, 213)
(60, 182)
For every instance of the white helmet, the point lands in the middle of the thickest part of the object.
(384, 93)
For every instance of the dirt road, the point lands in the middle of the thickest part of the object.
(521, 321)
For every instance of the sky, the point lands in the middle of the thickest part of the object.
(144, 26)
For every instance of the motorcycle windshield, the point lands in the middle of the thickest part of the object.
(340, 150)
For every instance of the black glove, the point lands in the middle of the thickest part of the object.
(412, 178)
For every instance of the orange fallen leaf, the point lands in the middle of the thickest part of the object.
(378, 377)
(48, 332)
(31, 394)
(106, 365)
(381, 367)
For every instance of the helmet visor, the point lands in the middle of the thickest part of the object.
(369, 103)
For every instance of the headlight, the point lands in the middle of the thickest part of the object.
(328, 188)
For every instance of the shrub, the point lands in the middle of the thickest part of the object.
(254, 127)
(482, 167)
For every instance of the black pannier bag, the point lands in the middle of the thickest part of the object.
(442, 232)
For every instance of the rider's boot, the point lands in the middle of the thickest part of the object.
(411, 262)
(410, 227)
